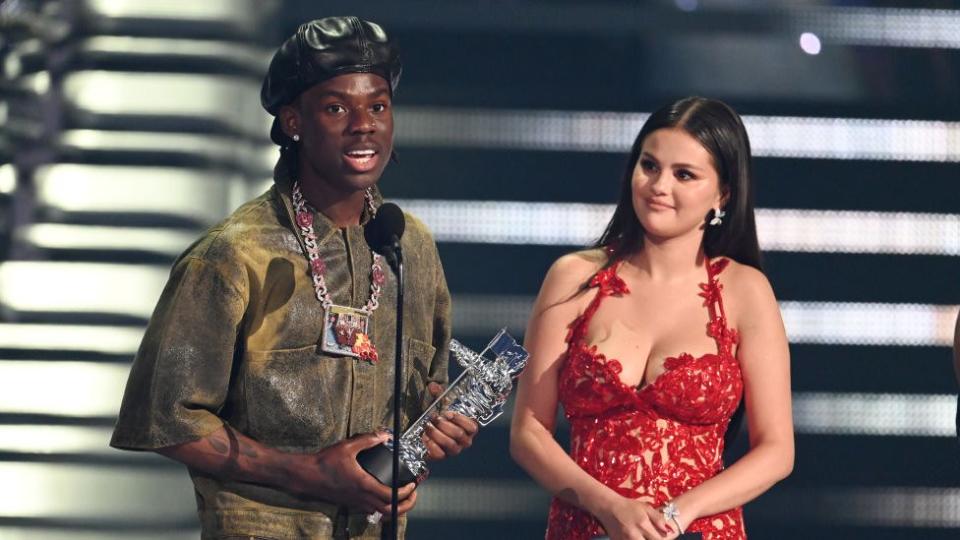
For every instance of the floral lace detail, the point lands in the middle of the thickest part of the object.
(726, 337)
(608, 283)
(717, 328)
(654, 442)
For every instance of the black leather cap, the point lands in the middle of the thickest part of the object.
(322, 49)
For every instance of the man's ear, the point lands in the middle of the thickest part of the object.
(289, 120)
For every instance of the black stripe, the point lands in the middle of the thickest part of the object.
(894, 370)
(875, 461)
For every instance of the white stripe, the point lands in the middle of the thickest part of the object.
(853, 138)
(164, 241)
(508, 222)
(53, 440)
(824, 323)
(228, 13)
(847, 231)
(73, 389)
(578, 131)
(601, 131)
(40, 439)
(849, 323)
(118, 289)
(875, 414)
(887, 27)
(116, 495)
(61, 337)
(577, 224)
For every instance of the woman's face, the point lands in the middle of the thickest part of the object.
(675, 184)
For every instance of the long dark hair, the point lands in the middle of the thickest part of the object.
(719, 129)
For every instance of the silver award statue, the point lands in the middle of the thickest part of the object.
(478, 393)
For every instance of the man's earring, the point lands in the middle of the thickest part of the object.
(296, 137)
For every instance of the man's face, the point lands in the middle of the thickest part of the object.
(346, 130)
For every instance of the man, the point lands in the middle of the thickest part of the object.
(268, 362)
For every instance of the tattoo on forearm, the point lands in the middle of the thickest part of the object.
(229, 454)
(218, 445)
(231, 465)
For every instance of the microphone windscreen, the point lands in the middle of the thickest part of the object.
(388, 224)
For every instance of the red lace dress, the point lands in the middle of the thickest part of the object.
(657, 441)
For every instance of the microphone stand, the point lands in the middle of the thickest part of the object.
(396, 261)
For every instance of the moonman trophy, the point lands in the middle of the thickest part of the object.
(478, 393)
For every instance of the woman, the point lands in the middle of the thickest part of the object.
(651, 339)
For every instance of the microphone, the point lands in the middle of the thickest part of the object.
(383, 234)
(384, 231)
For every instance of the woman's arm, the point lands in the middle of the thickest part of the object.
(765, 363)
(532, 444)
(956, 351)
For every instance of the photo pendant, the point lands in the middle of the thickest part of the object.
(345, 332)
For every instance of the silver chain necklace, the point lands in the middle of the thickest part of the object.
(345, 328)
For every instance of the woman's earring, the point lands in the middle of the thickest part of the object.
(717, 217)
(296, 137)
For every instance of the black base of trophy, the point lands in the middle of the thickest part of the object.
(378, 461)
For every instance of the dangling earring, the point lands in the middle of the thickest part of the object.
(296, 137)
(717, 217)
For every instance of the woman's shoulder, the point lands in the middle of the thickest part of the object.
(578, 266)
(745, 286)
(568, 274)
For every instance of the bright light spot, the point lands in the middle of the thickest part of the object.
(686, 5)
(12, 67)
(810, 43)
(38, 83)
(8, 175)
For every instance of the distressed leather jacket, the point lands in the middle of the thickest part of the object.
(235, 339)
